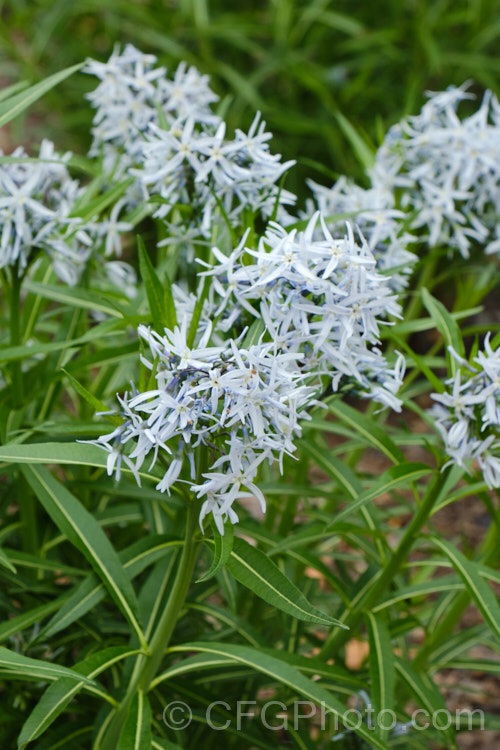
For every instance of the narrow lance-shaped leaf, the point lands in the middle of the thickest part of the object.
(86, 595)
(158, 743)
(136, 732)
(80, 298)
(335, 468)
(60, 693)
(16, 104)
(287, 675)
(370, 432)
(29, 618)
(484, 597)
(222, 548)
(98, 405)
(152, 285)
(82, 530)
(5, 562)
(427, 694)
(62, 453)
(17, 664)
(382, 672)
(193, 326)
(94, 207)
(254, 569)
(396, 476)
(446, 326)
(9, 91)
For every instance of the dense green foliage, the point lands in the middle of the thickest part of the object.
(305, 65)
(349, 591)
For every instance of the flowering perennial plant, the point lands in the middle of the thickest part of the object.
(243, 355)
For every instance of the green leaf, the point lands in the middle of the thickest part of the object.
(223, 546)
(254, 569)
(98, 405)
(20, 666)
(83, 531)
(60, 693)
(16, 104)
(477, 665)
(5, 562)
(9, 91)
(254, 333)
(81, 298)
(396, 476)
(107, 328)
(202, 293)
(158, 743)
(446, 326)
(469, 572)
(366, 155)
(435, 586)
(368, 430)
(79, 454)
(95, 207)
(232, 621)
(334, 468)
(382, 670)
(153, 286)
(287, 675)
(136, 733)
(426, 692)
(91, 591)
(27, 619)
(421, 363)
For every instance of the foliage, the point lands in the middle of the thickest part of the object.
(320, 72)
(342, 378)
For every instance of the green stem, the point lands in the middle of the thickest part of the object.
(143, 676)
(352, 619)
(15, 337)
(166, 625)
(27, 506)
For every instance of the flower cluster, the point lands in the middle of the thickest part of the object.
(129, 96)
(322, 298)
(198, 167)
(36, 199)
(436, 175)
(468, 414)
(448, 170)
(165, 134)
(221, 410)
(38, 211)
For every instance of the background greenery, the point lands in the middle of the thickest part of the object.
(306, 65)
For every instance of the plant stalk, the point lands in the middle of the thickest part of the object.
(15, 337)
(143, 677)
(338, 637)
